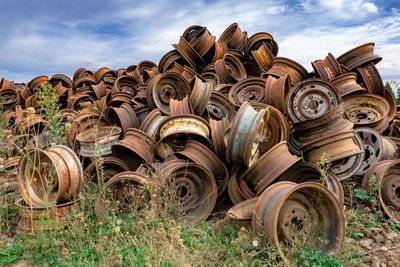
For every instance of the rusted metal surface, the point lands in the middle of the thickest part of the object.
(135, 148)
(179, 107)
(230, 69)
(371, 78)
(124, 117)
(125, 192)
(368, 110)
(240, 117)
(238, 189)
(248, 90)
(36, 82)
(10, 98)
(263, 57)
(46, 177)
(259, 39)
(202, 155)
(335, 147)
(242, 213)
(347, 84)
(277, 128)
(234, 37)
(308, 172)
(151, 123)
(269, 167)
(306, 212)
(387, 175)
(167, 86)
(328, 68)
(282, 66)
(98, 141)
(346, 168)
(243, 137)
(176, 130)
(218, 128)
(33, 218)
(310, 99)
(200, 95)
(193, 185)
(219, 107)
(110, 166)
(359, 56)
(276, 90)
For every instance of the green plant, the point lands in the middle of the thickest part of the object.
(370, 196)
(323, 166)
(315, 258)
(48, 99)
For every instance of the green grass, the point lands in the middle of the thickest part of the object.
(147, 238)
(150, 237)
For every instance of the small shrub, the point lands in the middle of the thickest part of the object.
(315, 258)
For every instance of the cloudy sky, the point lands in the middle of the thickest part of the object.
(55, 36)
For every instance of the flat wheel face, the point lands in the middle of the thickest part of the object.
(390, 193)
(373, 148)
(40, 178)
(311, 99)
(126, 195)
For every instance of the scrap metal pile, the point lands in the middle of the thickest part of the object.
(221, 122)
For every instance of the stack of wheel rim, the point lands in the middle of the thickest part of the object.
(49, 182)
(221, 122)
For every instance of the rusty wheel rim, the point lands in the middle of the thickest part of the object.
(126, 192)
(217, 135)
(359, 56)
(248, 90)
(309, 172)
(347, 84)
(176, 131)
(276, 90)
(371, 79)
(248, 130)
(392, 103)
(136, 148)
(307, 212)
(193, 187)
(269, 167)
(200, 95)
(328, 68)
(151, 123)
(233, 37)
(203, 156)
(111, 167)
(219, 107)
(282, 66)
(169, 85)
(98, 140)
(277, 127)
(242, 213)
(311, 99)
(373, 146)
(366, 110)
(346, 167)
(230, 69)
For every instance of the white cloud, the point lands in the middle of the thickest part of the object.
(311, 44)
(370, 7)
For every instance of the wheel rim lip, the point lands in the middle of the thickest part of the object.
(287, 189)
(309, 82)
(27, 192)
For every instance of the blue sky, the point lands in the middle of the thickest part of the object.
(54, 36)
